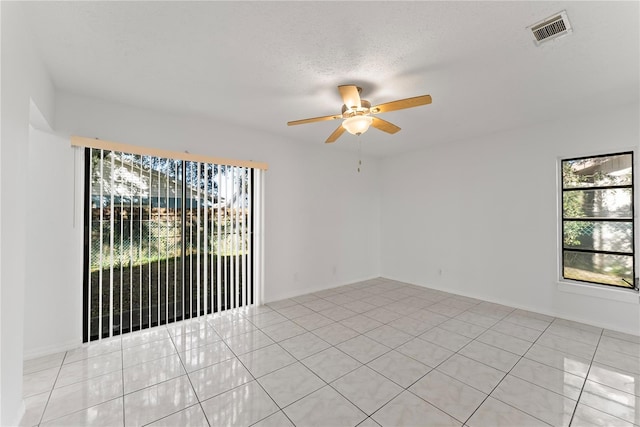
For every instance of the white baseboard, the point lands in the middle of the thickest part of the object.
(525, 307)
(51, 349)
(18, 416)
(319, 288)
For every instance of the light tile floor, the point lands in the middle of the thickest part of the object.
(375, 353)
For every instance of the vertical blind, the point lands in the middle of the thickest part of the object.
(167, 239)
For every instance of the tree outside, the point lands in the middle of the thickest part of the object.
(597, 210)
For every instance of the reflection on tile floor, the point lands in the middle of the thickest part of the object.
(374, 353)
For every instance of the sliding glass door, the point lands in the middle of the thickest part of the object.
(165, 240)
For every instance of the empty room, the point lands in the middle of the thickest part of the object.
(319, 213)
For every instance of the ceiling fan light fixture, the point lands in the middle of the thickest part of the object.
(356, 113)
(357, 125)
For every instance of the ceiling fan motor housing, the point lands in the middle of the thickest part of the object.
(364, 109)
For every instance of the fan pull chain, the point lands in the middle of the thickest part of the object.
(359, 153)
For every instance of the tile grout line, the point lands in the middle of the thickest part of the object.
(163, 381)
(443, 373)
(394, 349)
(78, 382)
(474, 339)
(331, 345)
(122, 370)
(53, 386)
(321, 379)
(306, 367)
(502, 379)
(254, 378)
(406, 389)
(586, 378)
(552, 391)
(188, 378)
(361, 365)
(380, 293)
(403, 389)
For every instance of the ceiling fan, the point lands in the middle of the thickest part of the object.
(358, 114)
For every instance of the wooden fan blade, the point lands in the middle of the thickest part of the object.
(401, 104)
(335, 135)
(350, 96)
(314, 119)
(384, 125)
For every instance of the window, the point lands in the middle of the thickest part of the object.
(597, 220)
(166, 239)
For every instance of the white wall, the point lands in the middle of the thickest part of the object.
(322, 217)
(23, 79)
(406, 217)
(479, 217)
(54, 238)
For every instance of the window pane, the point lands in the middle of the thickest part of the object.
(600, 236)
(599, 268)
(597, 171)
(610, 203)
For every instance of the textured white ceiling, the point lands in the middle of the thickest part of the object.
(261, 64)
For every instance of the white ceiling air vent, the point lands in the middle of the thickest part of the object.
(551, 28)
